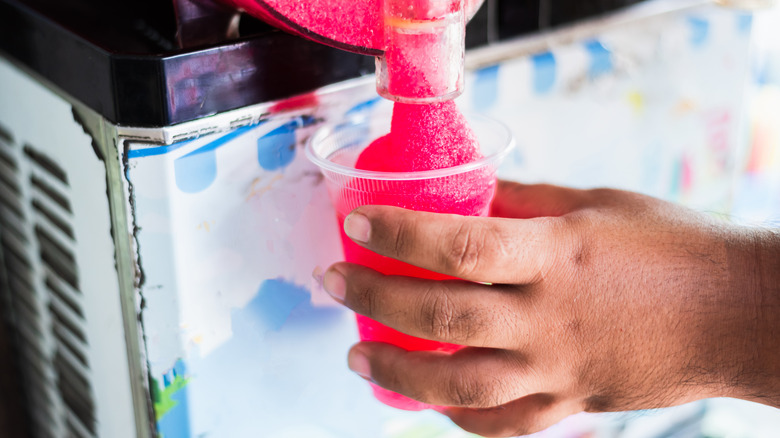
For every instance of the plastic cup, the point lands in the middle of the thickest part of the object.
(467, 189)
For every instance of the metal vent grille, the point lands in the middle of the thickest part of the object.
(38, 244)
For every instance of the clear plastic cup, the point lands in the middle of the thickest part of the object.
(467, 189)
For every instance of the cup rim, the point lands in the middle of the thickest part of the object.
(352, 121)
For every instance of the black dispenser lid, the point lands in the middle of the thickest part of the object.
(121, 58)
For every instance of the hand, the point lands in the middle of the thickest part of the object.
(604, 300)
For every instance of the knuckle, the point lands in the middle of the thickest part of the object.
(550, 236)
(463, 251)
(461, 392)
(574, 250)
(442, 319)
(470, 389)
(438, 313)
(365, 300)
(402, 238)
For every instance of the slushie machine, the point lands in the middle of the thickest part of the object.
(159, 222)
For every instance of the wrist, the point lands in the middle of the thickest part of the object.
(756, 374)
(768, 313)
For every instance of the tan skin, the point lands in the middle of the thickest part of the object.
(598, 300)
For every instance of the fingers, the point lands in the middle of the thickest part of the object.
(514, 200)
(493, 393)
(457, 312)
(523, 416)
(478, 249)
(471, 377)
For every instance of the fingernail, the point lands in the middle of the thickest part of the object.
(317, 274)
(335, 284)
(358, 363)
(357, 227)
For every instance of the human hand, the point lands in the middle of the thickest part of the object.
(602, 301)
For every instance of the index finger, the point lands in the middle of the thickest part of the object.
(489, 250)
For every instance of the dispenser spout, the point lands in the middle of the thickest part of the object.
(424, 48)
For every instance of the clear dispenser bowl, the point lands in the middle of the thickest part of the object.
(424, 43)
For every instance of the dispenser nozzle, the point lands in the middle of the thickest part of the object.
(424, 51)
